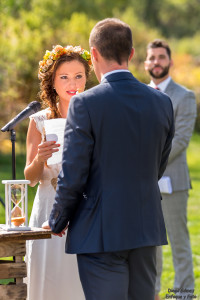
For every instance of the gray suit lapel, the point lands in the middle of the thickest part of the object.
(171, 88)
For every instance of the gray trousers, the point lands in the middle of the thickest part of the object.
(122, 275)
(174, 208)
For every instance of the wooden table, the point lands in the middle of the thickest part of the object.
(13, 243)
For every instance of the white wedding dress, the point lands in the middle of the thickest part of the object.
(51, 273)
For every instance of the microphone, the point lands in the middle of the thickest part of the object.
(33, 107)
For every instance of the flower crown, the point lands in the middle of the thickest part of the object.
(57, 52)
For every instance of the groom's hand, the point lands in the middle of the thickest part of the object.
(45, 225)
(61, 233)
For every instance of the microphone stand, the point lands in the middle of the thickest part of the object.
(1, 200)
(13, 139)
(29, 110)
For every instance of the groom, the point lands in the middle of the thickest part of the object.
(116, 145)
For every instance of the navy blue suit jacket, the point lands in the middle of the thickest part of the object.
(116, 145)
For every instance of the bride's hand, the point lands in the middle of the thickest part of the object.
(45, 225)
(46, 149)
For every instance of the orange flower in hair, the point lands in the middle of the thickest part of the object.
(57, 52)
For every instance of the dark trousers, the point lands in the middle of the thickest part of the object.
(123, 275)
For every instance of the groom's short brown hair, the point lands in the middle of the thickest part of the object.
(113, 39)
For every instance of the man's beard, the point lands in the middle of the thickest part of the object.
(164, 72)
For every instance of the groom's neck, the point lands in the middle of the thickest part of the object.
(109, 66)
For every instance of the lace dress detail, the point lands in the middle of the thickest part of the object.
(51, 273)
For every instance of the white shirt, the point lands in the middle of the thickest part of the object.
(162, 85)
(114, 71)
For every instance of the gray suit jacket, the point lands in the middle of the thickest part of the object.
(184, 105)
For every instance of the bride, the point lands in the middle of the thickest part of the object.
(52, 274)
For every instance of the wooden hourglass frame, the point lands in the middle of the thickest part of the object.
(16, 204)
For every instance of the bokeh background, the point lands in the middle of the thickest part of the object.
(30, 27)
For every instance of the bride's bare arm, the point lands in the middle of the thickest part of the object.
(37, 154)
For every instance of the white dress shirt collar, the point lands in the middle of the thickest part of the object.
(112, 72)
(163, 85)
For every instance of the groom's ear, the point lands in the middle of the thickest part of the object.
(132, 53)
(94, 53)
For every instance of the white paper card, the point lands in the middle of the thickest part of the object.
(54, 130)
(165, 185)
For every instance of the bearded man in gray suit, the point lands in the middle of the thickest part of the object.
(158, 63)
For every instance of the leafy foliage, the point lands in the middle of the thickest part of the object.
(28, 28)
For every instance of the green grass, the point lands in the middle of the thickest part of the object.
(193, 210)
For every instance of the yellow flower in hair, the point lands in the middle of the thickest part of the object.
(57, 52)
(47, 54)
(86, 55)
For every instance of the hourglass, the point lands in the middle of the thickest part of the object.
(16, 204)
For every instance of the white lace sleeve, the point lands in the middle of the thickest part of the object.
(39, 118)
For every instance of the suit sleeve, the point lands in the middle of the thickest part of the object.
(77, 151)
(184, 124)
(168, 143)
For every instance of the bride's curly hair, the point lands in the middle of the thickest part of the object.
(48, 94)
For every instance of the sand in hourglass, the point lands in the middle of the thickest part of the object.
(17, 219)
